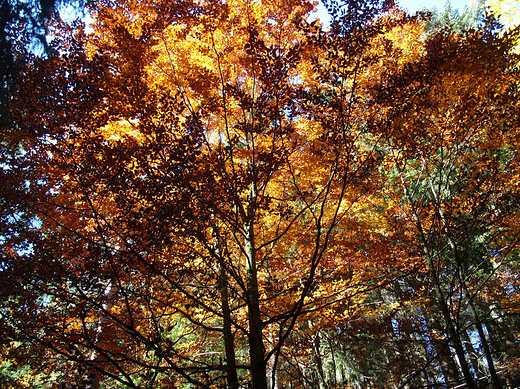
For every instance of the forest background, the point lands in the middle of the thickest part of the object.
(210, 194)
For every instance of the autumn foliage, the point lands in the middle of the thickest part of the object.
(210, 194)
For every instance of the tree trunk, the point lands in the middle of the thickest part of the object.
(256, 345)
(229, 340)
(93, 381)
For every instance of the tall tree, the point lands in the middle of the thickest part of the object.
(189, 167)
(198, 189)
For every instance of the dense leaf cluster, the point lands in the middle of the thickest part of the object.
(209, 194)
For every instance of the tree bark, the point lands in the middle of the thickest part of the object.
(256, 345)
(227, 331)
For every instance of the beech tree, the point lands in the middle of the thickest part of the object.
(181, 195)
(222, 194)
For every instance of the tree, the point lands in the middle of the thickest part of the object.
(450, 146)
(453, 19)
(180, 205)
(199, 189)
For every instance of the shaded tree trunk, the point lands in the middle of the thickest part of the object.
(256, 345)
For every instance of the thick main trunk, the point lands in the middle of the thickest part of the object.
(256, 344)
(227, 331)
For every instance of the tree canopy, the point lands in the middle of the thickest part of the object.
(209, 194)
